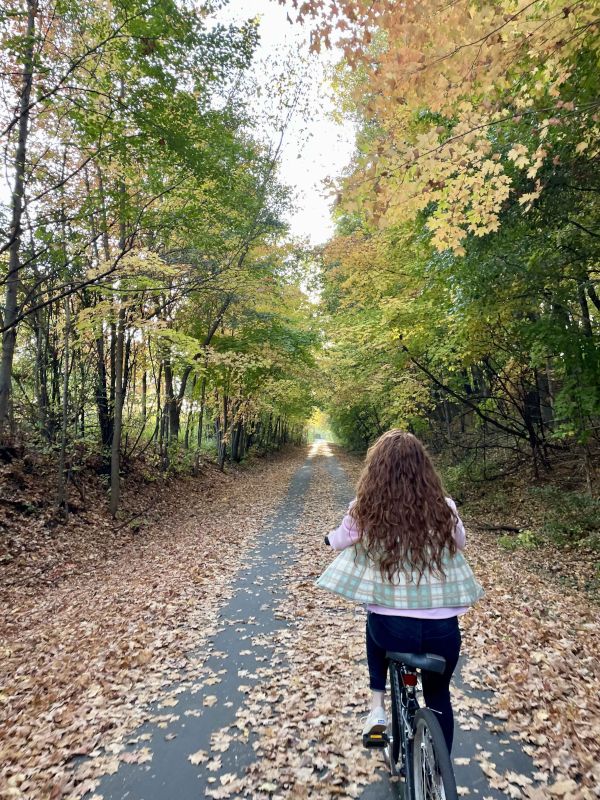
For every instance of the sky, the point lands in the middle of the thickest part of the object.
(316, 148)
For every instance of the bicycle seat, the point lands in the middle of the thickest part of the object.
(425, 661)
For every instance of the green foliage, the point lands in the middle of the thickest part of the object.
(159, 248)
(569, 518)
(493, 345)
(525, 540)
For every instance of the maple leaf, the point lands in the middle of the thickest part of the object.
(199, 757)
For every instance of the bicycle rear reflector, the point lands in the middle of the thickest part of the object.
(409, 678)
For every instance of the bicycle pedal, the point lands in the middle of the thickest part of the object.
(372, 740)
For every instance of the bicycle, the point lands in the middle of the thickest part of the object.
(415, 747)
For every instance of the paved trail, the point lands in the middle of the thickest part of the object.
(206, 713)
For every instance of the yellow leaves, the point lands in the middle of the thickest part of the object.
(432, 80)
(490, 167)
(527, 199)
(519, 155)
(539, 156)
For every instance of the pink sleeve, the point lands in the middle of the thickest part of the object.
(346, 534)
(460, 536)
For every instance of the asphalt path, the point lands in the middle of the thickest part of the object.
(234, 657)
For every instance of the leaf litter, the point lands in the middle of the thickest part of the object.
(530, 642)
(82, 661)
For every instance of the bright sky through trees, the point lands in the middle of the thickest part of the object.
(315, 148)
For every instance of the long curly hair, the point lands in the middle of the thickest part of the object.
(401, 510)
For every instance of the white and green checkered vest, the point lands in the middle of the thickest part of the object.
(356, 577)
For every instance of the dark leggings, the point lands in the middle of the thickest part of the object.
(409, 635)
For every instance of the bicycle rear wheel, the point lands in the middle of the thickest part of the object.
(432, 768)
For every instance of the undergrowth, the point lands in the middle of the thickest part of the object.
(551, 510)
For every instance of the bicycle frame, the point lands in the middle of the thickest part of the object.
(416, 747)
(406, 681)
(403, 683)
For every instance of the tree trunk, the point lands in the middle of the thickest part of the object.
(62, 483)
(201, 412)
(82, 378)
(115, 460)
(14, 255)
(171, 402)
(544, 398)
(41, 377)
(269, 429)
(144, 397)
(585, 311)
(189, 416)
(236, 442)
(219, 440)
(157, 386)
(221, 431)
(105, 417)
(119, 353)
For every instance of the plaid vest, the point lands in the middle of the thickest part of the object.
(353, 575)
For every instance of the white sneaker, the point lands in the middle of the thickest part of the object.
(376, 722)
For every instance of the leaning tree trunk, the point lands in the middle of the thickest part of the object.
(14, 257)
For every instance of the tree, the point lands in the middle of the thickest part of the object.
(149, 221)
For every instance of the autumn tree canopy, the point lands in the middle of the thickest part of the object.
(151, 294)
(154, 303)
(460, 288)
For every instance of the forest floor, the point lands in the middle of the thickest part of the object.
(549, 518)
(197, 658)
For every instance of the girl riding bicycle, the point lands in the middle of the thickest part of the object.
(403, 539)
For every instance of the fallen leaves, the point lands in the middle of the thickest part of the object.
(564, 788)
(82, 661)
(535, 647)
(199, 757)
(304, 716)
(141, 756)
(107, 647)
